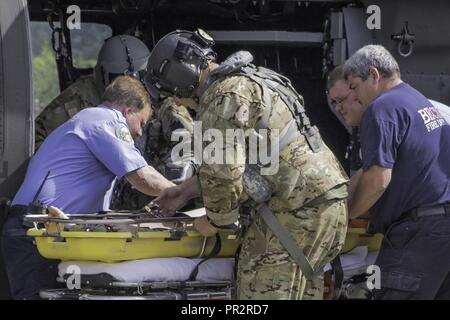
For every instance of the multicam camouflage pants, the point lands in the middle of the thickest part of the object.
(265, 269)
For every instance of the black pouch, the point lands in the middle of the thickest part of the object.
(5, 204)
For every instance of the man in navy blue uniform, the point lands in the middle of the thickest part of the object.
(77, 166)
(405, 178)
(345, 104)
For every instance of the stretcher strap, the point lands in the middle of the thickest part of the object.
(338, 275)
(214, 252)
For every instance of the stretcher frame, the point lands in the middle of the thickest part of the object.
(125, 245)
(105, 287)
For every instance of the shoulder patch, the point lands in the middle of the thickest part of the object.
(123, 133)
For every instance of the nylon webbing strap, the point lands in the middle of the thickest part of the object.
(287, 241)
(266, 78)
(338, 272)
(214, 252)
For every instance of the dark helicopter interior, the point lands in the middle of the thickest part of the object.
(289, 37)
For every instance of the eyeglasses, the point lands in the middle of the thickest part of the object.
(339, 100)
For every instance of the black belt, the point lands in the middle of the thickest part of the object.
(439, 210)
(17, 210)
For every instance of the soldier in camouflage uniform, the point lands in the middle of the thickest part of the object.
(169, 117)
(308, 192)
(121, 54)
(83, 93)
(156, 145)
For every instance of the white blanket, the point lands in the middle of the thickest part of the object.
(355, 261)
(156, 269)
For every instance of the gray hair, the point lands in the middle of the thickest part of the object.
(371, 56)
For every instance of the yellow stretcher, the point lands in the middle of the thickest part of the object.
(359, 237)
(147, 238)
(122, 246)
(134, 254)
(78, 239)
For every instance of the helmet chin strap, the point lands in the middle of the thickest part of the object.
(103, 73)
(127, 52)
(124, 50)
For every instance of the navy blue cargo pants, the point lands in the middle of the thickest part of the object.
(414, 259)
(27, 270)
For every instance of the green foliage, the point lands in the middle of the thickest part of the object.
(84, 63)
(86, 44)
(45, 79)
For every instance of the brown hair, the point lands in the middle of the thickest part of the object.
(336, 75)
(126, 91)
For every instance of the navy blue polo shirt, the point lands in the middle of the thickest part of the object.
(403, 131)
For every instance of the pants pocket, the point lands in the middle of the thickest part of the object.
(439, 226)
(402, 233)
(397, 285)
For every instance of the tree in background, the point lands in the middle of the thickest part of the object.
(45, 79)
(86, 44)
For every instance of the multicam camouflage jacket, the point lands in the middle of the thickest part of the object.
(83, 93)
(236, 102)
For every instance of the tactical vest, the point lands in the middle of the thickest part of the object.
(255, 185)
(240, 64)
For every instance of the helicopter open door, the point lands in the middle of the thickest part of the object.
(16, 105)
(16, 95)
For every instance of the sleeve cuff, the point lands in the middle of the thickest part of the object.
(130, 168)
(222, 219)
